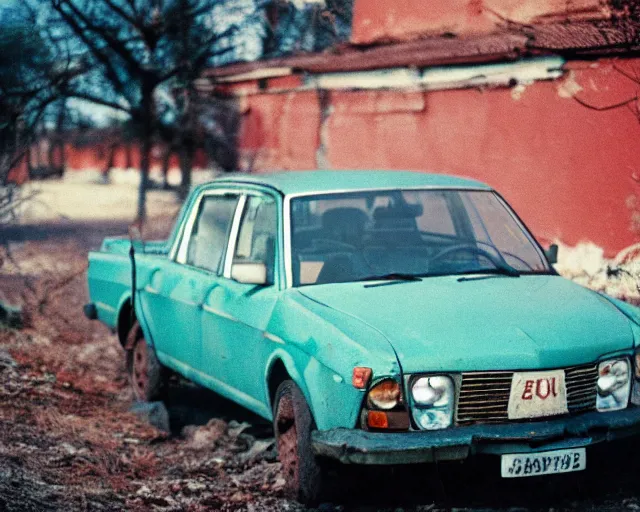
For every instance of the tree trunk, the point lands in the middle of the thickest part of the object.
(129, 163)
(28, 161)
(106, 172)
(146, 145)
(186, 165)
(38, 146)
(62, 151)
(51, 154)
(166, 160)
(59, 139)
(145, 163)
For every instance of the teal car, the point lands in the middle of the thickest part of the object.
(375, 318)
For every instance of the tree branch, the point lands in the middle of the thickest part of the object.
(98, 53)
(113, 43)
(606, 107)
(98, 100)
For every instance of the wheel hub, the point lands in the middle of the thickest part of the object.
(287, 440)
(140, 376)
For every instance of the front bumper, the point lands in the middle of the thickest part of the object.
(351, 446)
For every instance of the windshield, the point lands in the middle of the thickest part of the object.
(403, 233)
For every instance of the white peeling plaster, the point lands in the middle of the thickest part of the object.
(522, 72)
(585, 264)
(569, 87)
(394, 78)
(518, 91)
(257, 74)
(437, 78)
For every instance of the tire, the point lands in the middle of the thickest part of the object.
(147, 376)
(293, 423)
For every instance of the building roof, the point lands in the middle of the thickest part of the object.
(576, 39)
(300, 182)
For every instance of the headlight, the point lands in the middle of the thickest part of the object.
(614, 385)
(385, 395)
(433, 399)
(635, 394)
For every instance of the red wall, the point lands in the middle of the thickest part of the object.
(281, 130)
(95, 157)
(568, 170)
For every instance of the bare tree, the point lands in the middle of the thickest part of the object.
(135, 49)
(32, 76)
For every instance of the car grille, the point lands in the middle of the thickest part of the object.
(484, 396)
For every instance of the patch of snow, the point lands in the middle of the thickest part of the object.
(569, 87)
(586, 265)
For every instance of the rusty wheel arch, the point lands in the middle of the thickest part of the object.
(278, 373)
(126, 320)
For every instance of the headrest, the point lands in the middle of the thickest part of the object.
(406, 211)
(337, 217)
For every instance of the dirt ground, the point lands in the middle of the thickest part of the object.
(68, 441)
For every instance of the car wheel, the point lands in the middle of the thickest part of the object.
(147, 376)
(293, 423)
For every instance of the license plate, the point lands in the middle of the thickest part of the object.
(537, 394)
(543, 463)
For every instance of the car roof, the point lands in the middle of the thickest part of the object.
(301, 182)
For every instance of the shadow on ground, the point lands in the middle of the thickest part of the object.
(610, 482)
(89, 235)
(190, 404)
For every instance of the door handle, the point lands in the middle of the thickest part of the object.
(155, 276)
(219, 313)
(150, 289)
(207, 294)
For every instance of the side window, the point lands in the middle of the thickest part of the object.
(257, 235)
(210, 231)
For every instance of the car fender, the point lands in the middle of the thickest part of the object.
(631, 312)
(319, 348)
(290, 365)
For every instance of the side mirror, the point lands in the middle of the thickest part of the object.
(552, 254)
(250, 273)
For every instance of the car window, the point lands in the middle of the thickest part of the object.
(257, 235)
(210, 231)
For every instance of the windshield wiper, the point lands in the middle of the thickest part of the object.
(502, 270)
(392, 278)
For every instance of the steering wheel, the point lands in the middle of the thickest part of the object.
(468, 248)
(510, 254)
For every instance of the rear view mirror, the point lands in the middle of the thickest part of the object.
(552, 254)
(250, 273)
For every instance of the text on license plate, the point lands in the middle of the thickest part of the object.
(537, 394)
(543, 463)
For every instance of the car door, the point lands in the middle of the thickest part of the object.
(236, 314)
(176, 290)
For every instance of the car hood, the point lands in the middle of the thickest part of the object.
(489, 322)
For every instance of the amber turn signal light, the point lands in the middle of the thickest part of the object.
(361, 376)
(377, 419)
